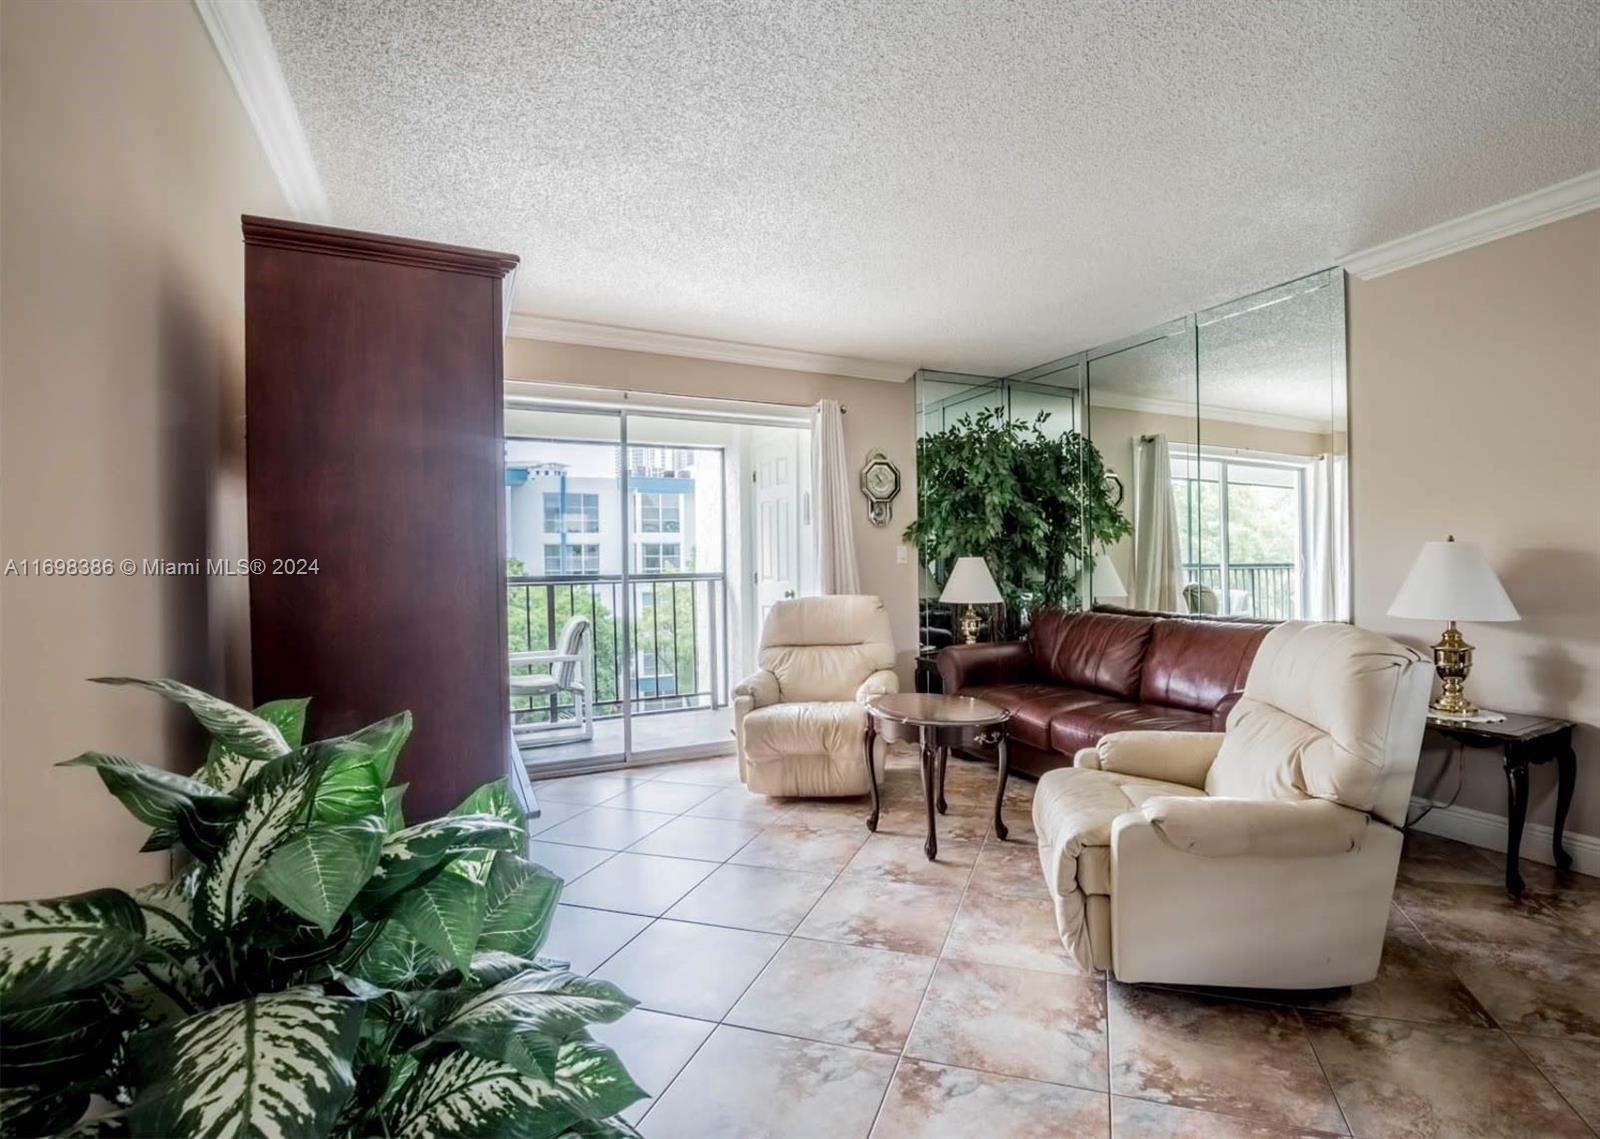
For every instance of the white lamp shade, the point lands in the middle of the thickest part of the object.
(1104, 581)
(1452, 581)
(971, 583)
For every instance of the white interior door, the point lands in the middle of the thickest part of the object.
(778, 491)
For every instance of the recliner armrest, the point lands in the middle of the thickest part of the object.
(760, 688)
(880, 683)
(962, 666)
(1269, 828)
(1175, 757)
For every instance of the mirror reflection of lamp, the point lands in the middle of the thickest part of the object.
(1104, 582)
(970, 583)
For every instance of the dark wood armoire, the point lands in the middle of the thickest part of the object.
(373, 426)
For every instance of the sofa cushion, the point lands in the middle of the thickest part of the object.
(1034, 707)
(1100, 651)
(1195, 664)
(1084, 728)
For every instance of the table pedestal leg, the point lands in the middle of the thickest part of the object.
(944, 759)
(872, 774)
(1000, 790)
(1517, 810)
(929, 791)
(1566, 777)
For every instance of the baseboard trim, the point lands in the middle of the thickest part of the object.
(1480, 828)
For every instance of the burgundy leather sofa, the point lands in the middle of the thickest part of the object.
(1079, 676)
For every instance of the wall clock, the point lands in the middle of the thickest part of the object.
(880, 482)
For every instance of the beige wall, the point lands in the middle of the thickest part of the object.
(127, 160)
(879, 416)
(1475, 410)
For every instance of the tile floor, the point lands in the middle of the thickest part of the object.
(798, 976)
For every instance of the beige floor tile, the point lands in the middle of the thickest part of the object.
(710, 840)
(785, 846)
(637, 883)
(848, 814)
(1009, 868)
(753, 897)
(1215, 1055)
(658, 795)
(1428, 858)
(569, 863)
(585, 938)
(1416, 1081)
(1414, 982)
(1461, 911)
(1020, 932)
(720, 772)
(1141, 1119)
(1018, 1022)
(585, 790)
(901, 858)
(889, 915)
(1541, 992)
(745, 1085)
(840, 994)
(911, 820)
(688, 969)
(741, 805)
(1573, 1066)
(932, 1101)
(553, 812)
(654, 1047)
(605, 828)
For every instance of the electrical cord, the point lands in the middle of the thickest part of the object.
(1457, 752)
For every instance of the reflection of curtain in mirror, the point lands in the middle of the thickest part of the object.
(1157, 560)
(836, 543)
(1327, 533)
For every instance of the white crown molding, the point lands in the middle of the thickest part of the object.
(1184, 409)
(1552, 203)
(526, 327)
(241, 39)
(1492, 832)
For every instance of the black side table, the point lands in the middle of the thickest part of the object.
(1522, 740)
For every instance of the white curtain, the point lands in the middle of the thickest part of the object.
(1328, 542)
(1157, 559)
(830, 468)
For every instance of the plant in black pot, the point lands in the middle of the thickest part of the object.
(316, 968)
(1032, 503)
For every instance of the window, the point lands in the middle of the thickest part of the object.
(581, 516)
(659, 513)
(658, 557)
(1242, 529)
(571, 559)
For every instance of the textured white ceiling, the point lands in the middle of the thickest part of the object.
(977, 186)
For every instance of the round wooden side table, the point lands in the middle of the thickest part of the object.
(936, 724)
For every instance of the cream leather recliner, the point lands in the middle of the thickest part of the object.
(799, 719)
(1263, 856)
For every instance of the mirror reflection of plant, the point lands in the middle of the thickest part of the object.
(1032, 503)
(317, 968)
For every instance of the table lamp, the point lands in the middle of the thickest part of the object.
(970, 583)
(1451, 581)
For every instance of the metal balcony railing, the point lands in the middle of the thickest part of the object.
(678, 639)
(1258, 589)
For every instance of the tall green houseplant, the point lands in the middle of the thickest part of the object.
(317, 968)
(1032, 503)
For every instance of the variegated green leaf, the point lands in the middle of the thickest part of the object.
(411, 855)
(288, 716)
(522, 903)
(168, 909)
(379, 742)
(613, 1128)
(228, 770)
(394, 815)
(275, 801)
(243, 733)
(113, 1126)
(73, 1039)
(446, 914)
(275, 1066)
(395, 958)
(460, 1094)
(351, 789)
(58, 944)
(495, 798)
(160, 798)
(593, 1081)
(29, 1110)
(319, 872)
(503, 1022)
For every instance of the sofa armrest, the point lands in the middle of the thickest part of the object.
(760, 688)
(1175, 757)
(962, 666)
(881, 683)
(1267, 828)
(1219, 714)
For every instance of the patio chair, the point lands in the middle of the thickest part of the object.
(571, 670)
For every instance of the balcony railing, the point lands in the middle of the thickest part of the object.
(678, 640)
(1258, 589)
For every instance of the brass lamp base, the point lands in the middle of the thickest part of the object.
(1452, 660)
(970, 624)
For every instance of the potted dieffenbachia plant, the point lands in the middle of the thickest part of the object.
(317, 967)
